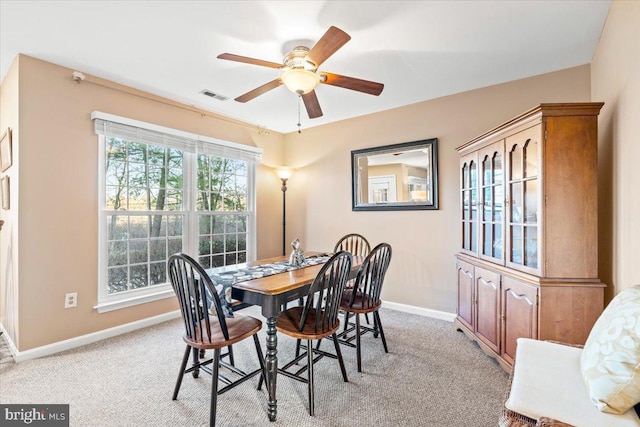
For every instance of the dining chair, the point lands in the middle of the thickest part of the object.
(353, 243)
(205, 332)
(364, 297)
(317, 319)
(357, 245)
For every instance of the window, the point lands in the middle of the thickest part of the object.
(144, 212)
(164, 191)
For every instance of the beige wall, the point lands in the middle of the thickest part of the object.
(616, 81)
(422, 271)
(9, 116)
(56, 206)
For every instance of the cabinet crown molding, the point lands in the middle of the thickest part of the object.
(537, 113)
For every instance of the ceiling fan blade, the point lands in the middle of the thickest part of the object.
(330, 42)
(312, 105)
(259, 90)
(247, 60)
(365, 86)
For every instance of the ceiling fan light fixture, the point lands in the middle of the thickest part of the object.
(300, 81)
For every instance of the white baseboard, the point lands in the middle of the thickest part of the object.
(46, 350)
(420, 311)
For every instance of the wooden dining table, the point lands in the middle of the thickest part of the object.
(271, 293)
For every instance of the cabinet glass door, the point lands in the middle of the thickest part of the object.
(491, 191)
(523, 191)
(469, 203)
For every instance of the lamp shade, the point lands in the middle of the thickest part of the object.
(284, 173)
(300, 81)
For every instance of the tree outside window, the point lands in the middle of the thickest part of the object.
(146, 214)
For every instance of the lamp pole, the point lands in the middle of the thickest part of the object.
(284, 212)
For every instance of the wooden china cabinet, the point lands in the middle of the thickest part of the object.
(528, 266)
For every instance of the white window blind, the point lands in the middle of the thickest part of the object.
(149, 133)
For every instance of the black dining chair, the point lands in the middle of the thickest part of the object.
(357, 245)
(364, 297)
(317, 319)
(354, 243)
(191, 285)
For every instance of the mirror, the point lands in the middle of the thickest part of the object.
(395, 177)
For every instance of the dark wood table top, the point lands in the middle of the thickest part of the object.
(280, 283)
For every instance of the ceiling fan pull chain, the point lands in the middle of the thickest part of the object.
(299, 101)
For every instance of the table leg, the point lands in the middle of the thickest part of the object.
(272, 366)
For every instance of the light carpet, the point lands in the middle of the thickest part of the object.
(432, 376)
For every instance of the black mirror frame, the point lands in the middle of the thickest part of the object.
(433, 143)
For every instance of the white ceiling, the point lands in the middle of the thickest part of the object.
(420, 50)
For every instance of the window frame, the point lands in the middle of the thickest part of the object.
(109, 302)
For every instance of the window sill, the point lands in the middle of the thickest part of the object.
(106, 307)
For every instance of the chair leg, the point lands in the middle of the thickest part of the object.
(262, 378)
(310, 373)
(346, 322)
(376, 332)
(358, 342)
(339, 354)
(263, 375)
(376, 318)
(196, 361)
(183, 366)
(297, 348)
(230, 349)
(214, 387)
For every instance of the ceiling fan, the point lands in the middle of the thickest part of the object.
(301, 75)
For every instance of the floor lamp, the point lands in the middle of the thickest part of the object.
(284, 175)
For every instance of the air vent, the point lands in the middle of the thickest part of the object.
(211, 94)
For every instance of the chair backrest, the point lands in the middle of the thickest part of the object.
(327, 289)
(192, 285)
(368, 284)
(353, 243)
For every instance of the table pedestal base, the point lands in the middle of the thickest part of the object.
(271, 362)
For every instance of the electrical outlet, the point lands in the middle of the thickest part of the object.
(71, 300)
